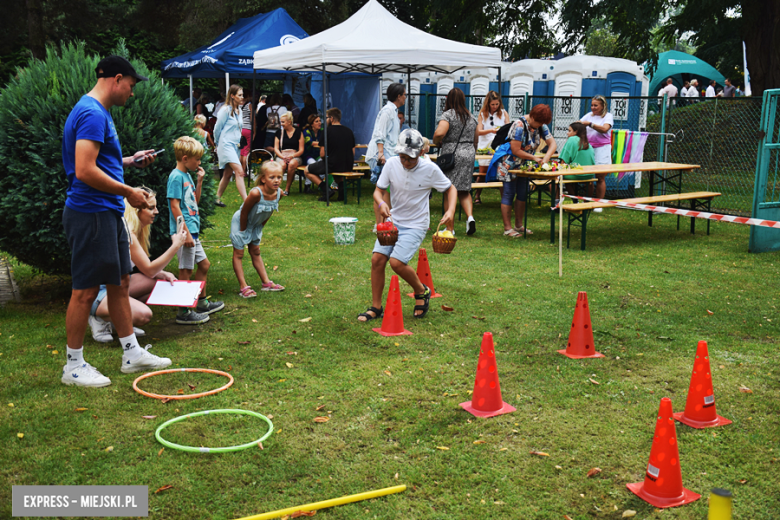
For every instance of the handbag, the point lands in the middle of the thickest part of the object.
(446, 161)
(243, 142)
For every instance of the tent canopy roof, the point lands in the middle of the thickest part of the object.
(231, 51)
(675, 64)
(374, 41)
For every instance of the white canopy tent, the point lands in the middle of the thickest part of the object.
(373, 41)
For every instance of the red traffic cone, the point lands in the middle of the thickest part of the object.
(393, 320)
(424, 273)
(700, 405)
(580, 344)
(663, 479)
(487, 400)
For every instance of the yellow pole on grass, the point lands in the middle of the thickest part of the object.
(328, 503)
(720, 504)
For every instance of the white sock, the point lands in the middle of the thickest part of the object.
(75, 357)
(469, 219)
(131, 347)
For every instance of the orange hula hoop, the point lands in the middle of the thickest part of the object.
(179, 397)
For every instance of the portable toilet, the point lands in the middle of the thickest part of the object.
(579, 78)
(413, 99)
(479, 86)
(426, 106)
(644, 103)
(444, 83)
(387, 79)
(624, 80)
(462, 78)
(532, 77)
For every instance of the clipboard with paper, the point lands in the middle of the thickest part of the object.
(180, 293)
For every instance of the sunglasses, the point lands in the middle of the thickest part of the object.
(491, 120)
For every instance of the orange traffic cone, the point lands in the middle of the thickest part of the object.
(663, 479)
(487, 401)
(700, 405)
(581, 336)
(424, 273)
(393, 320)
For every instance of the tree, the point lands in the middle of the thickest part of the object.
(600, 40)
(33, 184)
(714, 27)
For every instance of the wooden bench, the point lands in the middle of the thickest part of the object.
(700, 200)
(353, 177)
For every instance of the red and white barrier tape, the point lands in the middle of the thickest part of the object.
(684, 212)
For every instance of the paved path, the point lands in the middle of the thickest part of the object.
(8, 289)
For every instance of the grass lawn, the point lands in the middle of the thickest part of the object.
(392, 403)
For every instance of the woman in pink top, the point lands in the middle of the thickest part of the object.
(599, 127)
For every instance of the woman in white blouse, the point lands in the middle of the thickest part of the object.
(599, 124)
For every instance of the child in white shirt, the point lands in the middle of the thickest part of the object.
(410, 181)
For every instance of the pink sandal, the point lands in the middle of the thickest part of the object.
(271, 286)
(247, 292)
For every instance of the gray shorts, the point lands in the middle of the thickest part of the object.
(189, 256)
(99, 245)
(409, 241)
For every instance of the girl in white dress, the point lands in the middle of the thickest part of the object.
(491, 118)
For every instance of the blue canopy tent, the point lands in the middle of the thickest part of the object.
(232, 51)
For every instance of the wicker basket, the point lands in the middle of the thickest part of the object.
(443, 245)
(387, 237)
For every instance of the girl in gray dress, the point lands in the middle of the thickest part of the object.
(246, 228)
(457, 133)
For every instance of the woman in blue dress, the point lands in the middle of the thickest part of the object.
(227, 134)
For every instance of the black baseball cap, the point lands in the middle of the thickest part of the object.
(113, 65)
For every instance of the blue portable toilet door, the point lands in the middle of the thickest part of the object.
(624, 112)
(466, 88)
(426, 109)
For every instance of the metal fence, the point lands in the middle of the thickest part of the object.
(719, 134)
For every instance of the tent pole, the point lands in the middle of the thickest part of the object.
(227, 84)
(253, 115)
(500, 93)
(408, 97)
(192, 108)
(325, 133)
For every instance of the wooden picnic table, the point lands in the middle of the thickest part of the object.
(663, 177)
(478, 157)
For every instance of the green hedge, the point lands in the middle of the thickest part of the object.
(33, 109)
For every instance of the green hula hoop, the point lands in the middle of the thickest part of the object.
(192, 449)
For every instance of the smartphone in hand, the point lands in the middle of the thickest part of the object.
(153, 154)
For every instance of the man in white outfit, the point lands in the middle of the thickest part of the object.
(711, 89)
(670, 90)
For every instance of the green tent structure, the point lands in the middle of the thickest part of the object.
(682, 67)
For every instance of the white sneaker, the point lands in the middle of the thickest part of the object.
(147, 361)
(101, 330)
(374, 230)
(138, 332)
(84, 375)
(598, 210)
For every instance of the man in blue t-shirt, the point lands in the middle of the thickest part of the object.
(94, 227)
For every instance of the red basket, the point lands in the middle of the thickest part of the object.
(387, 237)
